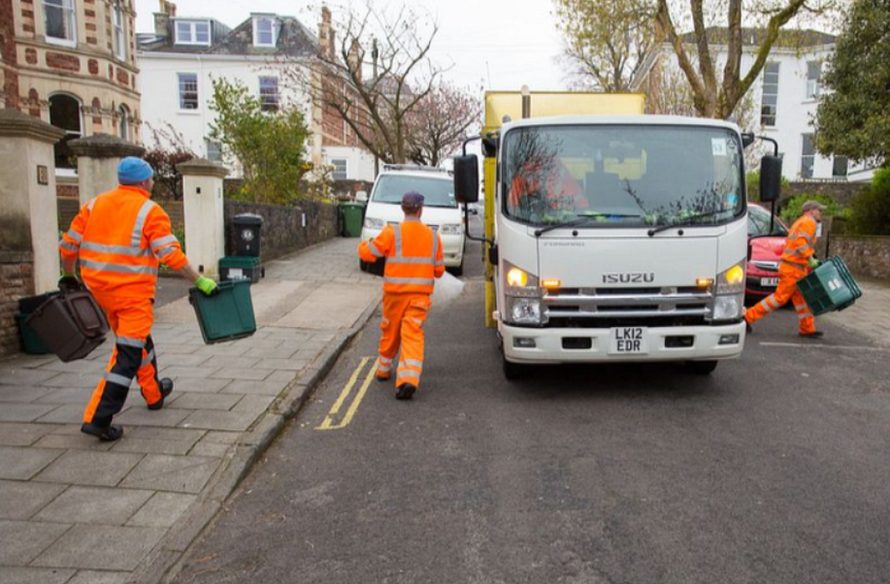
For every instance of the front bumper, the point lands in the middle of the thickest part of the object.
(549, 344)
(452, 246)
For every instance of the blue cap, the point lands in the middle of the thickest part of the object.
(412, 200)
(132, 170)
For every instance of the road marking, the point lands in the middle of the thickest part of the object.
(329, 423)
(824, 346)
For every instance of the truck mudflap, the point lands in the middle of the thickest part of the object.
(633, 344)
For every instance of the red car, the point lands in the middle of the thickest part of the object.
(766, 250)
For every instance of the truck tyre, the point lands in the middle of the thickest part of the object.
(459, 270)
(513, 371)
(701, 367)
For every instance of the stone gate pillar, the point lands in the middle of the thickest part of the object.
(29, 216)
(202, 195)
(97, 160)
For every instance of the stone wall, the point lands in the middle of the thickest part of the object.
(340, 189)
(865, 255)
(283, 230)
(16, 281)
(842, 193)
(68, 209)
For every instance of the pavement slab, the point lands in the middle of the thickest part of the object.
(94, 505)
(9, 575)
(180, 474)
(94, 577)
(216, 420)
(14, 412)
(79, 467)
(22, 541)
(207, 401)
(12, 434)
(21, 464)
(101, 547)
(197, 385)
(24, 377)
(267, 387)
(83, 380)
(142, 416)
(69, 395)
(20, 500)
(162, 510)
(72, 441)
(64, 414)
(21, 394)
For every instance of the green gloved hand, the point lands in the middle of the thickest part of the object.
(814, 263)
(207, 286)
(68, 281)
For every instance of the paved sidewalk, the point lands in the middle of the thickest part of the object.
(870, 315)
(74, 510)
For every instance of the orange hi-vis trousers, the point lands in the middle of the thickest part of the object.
(133, 356)
(402, 326)
(787, 290)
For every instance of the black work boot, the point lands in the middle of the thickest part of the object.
(166, 387)
(405, 391)
(104, 433)
(812, 335)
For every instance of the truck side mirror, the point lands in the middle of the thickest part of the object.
(490, 144)
(770, 178)
(747, 139)
(466, 179)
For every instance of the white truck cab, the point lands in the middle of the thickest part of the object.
(440, 210)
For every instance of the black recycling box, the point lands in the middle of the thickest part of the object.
(70, 323)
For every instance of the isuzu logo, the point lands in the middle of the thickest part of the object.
(632, 278)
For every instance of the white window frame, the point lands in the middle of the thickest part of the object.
(67, 7)
(804, 156)
(267, 107)
(212, 146)
(123, 123)
(193, 32)
(119, 27)
(763, 93)
(334, 162)
(813, 85)
(60, 171)
(256, 33)
(179, 92)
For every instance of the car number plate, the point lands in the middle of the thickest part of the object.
(769, 282)
(629, 340)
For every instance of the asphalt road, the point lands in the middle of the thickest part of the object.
(774, 469)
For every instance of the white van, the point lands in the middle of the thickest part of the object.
(440, 210)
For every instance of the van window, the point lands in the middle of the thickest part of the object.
(436, 192)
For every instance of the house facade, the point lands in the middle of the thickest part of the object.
(71, 63)
(267, 53)
(781, 104)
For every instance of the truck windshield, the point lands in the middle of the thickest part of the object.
(622, 175)
(437, 192)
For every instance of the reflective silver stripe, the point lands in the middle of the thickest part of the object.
(418, 281)
(75, 235)
(116, 249)
(69, 246)
(439, 263)
(130, 342)
(398, 230)
(91, 203)
(373, 249)
(118, 379)
(136, 238)
(119, 268)
(416, 321)
(397, 260)
(165, 252)
(384, 368)
(800, 307)
(803, 315)
(162, 241)
(806, 236)
(435, 245)
(801, 266)
(766, 305)
(148, 358)
(773, 302)
(407, 376)
(384, 360)
(412, 363)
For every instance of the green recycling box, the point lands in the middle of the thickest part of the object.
(227, 315)
(829, 287)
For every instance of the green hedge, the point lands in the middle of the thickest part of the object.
(871, 208)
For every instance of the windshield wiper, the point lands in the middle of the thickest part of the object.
(578, 220)
(686, 222)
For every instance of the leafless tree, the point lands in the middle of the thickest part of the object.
(440, 122)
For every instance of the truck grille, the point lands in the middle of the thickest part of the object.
(608, 307)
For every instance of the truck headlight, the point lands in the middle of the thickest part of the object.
(523, 296)
(729, 307)
(731, 281)
(373, 223)
(450, 229)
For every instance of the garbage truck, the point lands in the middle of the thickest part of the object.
(611, 235)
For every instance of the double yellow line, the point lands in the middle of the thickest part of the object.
(329, 421)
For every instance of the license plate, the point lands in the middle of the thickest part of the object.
(629, 341)
(769, 282)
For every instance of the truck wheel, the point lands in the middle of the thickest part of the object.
(701, 367)
(513, 371)
(459, 270)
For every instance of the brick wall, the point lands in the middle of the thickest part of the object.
(16, 280)
(283, 232)
(865, 255)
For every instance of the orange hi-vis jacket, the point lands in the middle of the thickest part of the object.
(801, 243)
(120, 238)
(413, 255)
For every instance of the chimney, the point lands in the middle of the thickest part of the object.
(324, 32)
(355, 56)
(162, 18)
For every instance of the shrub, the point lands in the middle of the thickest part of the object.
(792, 209)
(871, 207)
